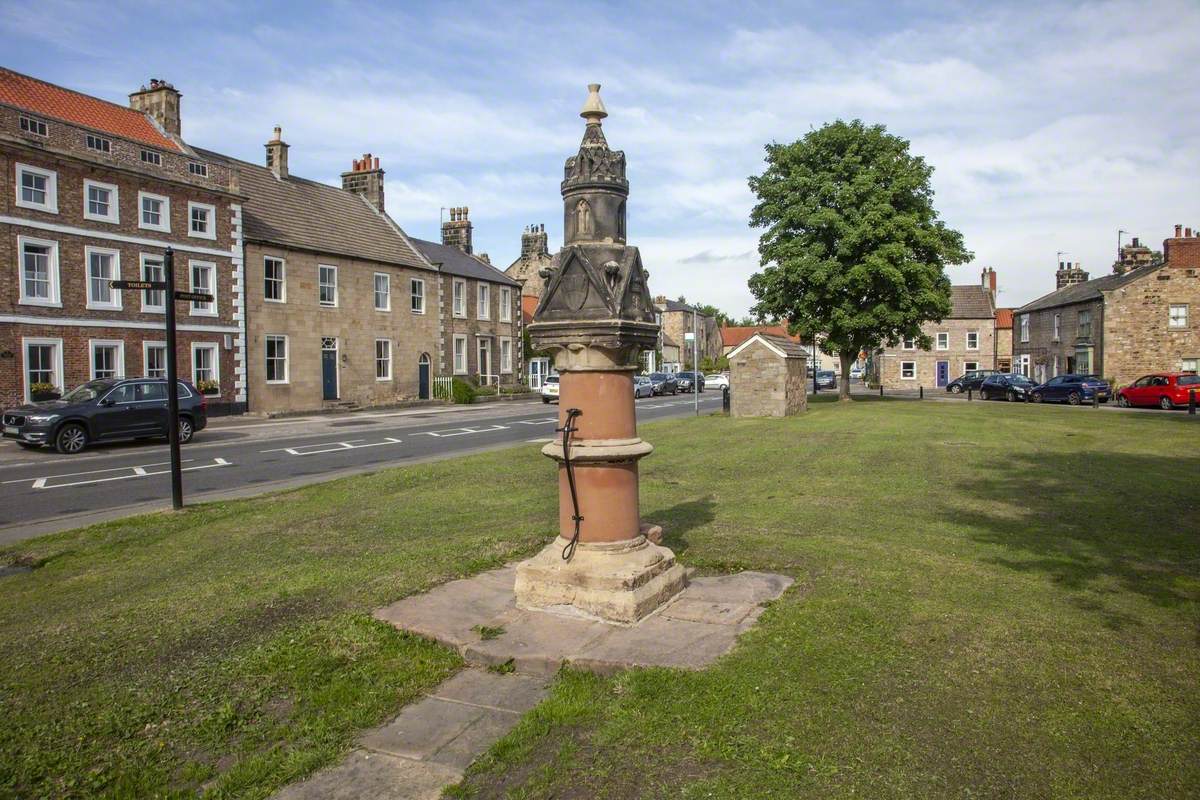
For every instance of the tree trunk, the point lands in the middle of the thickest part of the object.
(844, 383)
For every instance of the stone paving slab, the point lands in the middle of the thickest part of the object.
(363, 775)
(698, 626)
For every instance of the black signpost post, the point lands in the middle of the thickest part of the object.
(172, 297)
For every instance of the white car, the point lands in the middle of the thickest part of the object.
(550, 389)
(717, 381)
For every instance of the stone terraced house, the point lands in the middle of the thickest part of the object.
(963, 341)
(91, 192)
(1121, 326)
(342, 309)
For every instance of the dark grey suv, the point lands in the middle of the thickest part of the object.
(104, 411)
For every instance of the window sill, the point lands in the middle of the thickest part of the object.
(41, 303)
(276, 383)
(209, 237)
(98, 307)
(36, 207)
(155, 228)
(107, 220)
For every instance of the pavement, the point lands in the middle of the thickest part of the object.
(431, 742)
(43, 492)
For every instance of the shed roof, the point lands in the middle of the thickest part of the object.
(780, 345)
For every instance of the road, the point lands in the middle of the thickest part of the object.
(41, 491)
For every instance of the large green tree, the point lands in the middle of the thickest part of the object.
(853, 251)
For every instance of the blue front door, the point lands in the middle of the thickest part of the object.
(329, 378)
(943, 373)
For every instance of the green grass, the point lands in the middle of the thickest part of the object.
(991, 601)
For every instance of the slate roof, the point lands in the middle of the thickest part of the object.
(55, 102)
(1088, 290)
(675, 305)
(454, 261)
(971, 302)
(297, 212)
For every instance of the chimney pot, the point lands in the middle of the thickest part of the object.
(1178, 230)
(1187, 232)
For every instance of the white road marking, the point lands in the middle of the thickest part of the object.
(448, 432)
(331, 447)
(540, 441)
(135, 472)
(535, 421)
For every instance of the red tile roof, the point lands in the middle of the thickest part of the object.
(48, 100)
(529, 304)
(1004, 317)
(733, 336)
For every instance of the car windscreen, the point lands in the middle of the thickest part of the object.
(87, 391)
(552, 379)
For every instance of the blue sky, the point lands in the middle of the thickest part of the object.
(1050, 125)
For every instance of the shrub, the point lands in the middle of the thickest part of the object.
(462, 392)
(43, 391)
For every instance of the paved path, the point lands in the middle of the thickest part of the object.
(41, 491)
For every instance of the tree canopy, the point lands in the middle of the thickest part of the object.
(853, 250)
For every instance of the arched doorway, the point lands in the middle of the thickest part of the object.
(423, 376)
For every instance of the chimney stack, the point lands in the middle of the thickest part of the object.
(277, 154)
(160, 101)
(1178, 231)
(988, 280)
(534, 242)
(456, 231)
(1183, 250)
(365, 178)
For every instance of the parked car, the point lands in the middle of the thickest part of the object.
(690, 381)
(550, 389)
(717, 381)
(826, 379)
(1073, 389)
(1010, 386)
(857, 371)
(104, 411)
(642, 387)
(972, 379)
(664, 383)
(1166, 390)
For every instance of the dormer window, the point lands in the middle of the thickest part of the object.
(34, 126)
(99, 143)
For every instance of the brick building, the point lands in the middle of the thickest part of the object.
(963, 341)
(480, 309)
(1120, 326)
(93, 192)
(1004, 339)
(341, 308)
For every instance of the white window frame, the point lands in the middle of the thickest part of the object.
(282, 280)
(458, 298)
(196, 309)
(55, 299)
(57, 344)
(911, 367)
(969, 335)
(115, 303)
(321, 285)
(51, 204)
(216, 362)
(1057, 327)
(212, 220)
(1177, 322)
(198, 168)
(387, 291)
(506, 304)
(387, 361)
(506, 359)
(148, 308)
(1183, 364)
(970, 366)
(1023, 329)
(34, 126)
(98, 143)
(119, 344)
(147, 346)
(287, 346)
(942, 340)
(114, 212)
(414, 294)
(1023, 364)
(483, 301)
(151, 157)
(164, 224)
(908, 343)
(459, 339)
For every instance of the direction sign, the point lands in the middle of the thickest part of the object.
(195, 297)
(151, 285)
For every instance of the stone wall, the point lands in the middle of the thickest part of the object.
(763, 384)
(958, 356)
(473, 328)
(354, 322)
(1137, 339)
(1053, 354)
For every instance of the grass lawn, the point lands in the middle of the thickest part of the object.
(991, 601)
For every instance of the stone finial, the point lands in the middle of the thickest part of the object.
(593, 108)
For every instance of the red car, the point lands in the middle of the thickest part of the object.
(1166, 390)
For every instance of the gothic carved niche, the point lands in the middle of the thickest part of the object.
(583, 218)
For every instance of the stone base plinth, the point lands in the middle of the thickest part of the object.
(617, 582)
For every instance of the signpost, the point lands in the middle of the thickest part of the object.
(168, 288)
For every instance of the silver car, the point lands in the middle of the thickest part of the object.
(642, 387)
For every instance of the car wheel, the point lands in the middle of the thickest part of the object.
(1012, 397)
(956, 389)
(546, 400)
(1037, 397)
(1165, 404)
(71, 439)
(1123, 401)
(185, 430)
(1074, 398)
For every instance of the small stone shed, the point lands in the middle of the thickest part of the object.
(768, 377)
